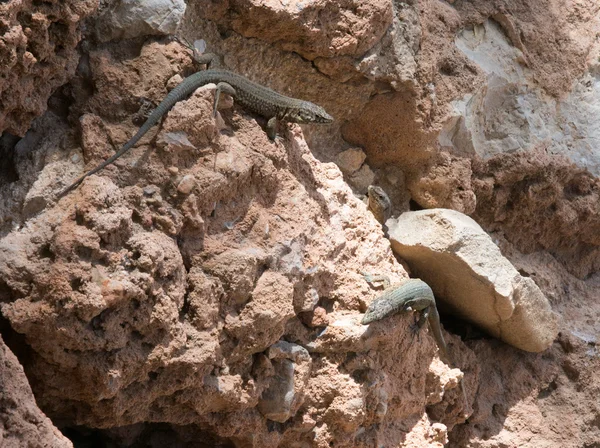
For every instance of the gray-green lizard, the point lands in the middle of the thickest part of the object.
(259, 99)
(378, 202)
(413, 295)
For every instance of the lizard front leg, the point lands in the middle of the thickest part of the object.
(222, 87)
(272, 128)
(372, 279)
(422, 306)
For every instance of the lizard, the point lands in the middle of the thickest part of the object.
(259, 99)
(378, 202)
(413, 295)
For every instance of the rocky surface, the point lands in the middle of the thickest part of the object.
(182, 285)
(38, 52)
(312, 29)
(126, 19)
(208, 285)
(536, 194)
(22, 423)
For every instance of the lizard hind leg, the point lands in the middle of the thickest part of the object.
(222, 87)
(384, 280)
(418, 323)
(422, 307)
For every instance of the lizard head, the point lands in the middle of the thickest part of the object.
(379, 203)
(308, 112)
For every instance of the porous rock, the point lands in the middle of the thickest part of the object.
(22, 423)
(145, 302)
(38, 54)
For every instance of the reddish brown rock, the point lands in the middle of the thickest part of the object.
(38, 54)
(542, 202)
(171, 301)
(446, 183)
(312, 29)
(22, 423)
(158, 350)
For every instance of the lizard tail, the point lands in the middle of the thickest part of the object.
(180, 92)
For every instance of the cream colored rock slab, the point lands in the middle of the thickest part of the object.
(466, 271)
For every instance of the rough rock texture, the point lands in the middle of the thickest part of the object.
(469, 275)
(536, 194)
(182, 285)
(37, 54)
(284, 395)
(313, 29)
(524, 400)
(528, 115)
(125, 19)
(512, 112)
(423, 91)
(22, 424)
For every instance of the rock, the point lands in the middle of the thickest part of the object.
(284, 395)
(362, 178)
(237, 270)
(188, 347)
(23, 423)
(275, 402)
(126, 19)
(190, 118)
(187, 184)
(539, 201)
(447, 184)
(350, 160)
(506, 113)
(38, 52)
(177, 139)
(467, 272)
(311, 29)
(180, 298)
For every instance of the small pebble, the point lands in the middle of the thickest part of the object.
(187, 184)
